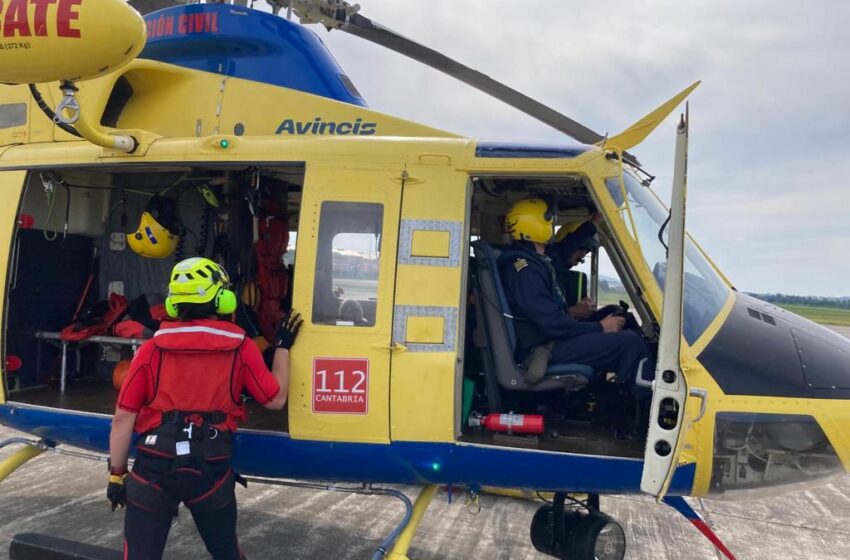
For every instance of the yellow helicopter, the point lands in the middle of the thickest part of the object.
(239, 136)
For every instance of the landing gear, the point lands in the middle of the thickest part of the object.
(399, 550)
(577, 531)
(30, 450)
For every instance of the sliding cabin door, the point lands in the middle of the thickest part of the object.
(345, 268)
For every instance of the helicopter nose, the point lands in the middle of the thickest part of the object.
(764, 351)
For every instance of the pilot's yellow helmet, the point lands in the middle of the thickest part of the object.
(587, 243)
(157, 235)
(531, 219)
(566, 229)
(196, 281)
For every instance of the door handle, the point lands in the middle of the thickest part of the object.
(392, 347)
(702, 395)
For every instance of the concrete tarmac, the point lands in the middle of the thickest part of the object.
(841, 330)
(65, 497)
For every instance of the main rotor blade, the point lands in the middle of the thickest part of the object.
(365, 28)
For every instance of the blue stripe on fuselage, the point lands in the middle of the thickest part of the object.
(490, 149)
(278, 455)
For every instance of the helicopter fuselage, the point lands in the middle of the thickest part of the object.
(203, 101)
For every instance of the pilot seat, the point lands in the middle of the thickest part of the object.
(495, 336)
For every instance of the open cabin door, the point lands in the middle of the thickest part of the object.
(670, 388)
(12, 185)
(345, 265)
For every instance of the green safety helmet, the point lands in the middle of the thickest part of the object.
(196, 281)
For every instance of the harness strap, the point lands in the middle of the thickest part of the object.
(190, 439)
(179, 416)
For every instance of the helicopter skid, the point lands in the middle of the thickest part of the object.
(10, 464)
(401, 546)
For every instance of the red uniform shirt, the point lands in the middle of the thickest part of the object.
(189, 366)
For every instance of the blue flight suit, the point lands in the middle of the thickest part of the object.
(535, 297)
(559, 254)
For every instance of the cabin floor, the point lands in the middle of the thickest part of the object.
(98, 396)
(563, 436)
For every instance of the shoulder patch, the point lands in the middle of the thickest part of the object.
(520, 263)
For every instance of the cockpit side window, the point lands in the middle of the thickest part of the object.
(644, 215)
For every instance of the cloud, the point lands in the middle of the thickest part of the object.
(769, 123)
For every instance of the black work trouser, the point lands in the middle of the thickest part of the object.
(209, 496)
(145, 533)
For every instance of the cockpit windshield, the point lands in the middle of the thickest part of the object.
(643, 215)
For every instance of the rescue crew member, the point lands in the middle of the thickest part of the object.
(183, 396)
(537, 300)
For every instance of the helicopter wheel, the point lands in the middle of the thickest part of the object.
(576, 535)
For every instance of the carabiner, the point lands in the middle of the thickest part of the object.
(69, 103)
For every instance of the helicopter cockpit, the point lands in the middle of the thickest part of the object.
(753, 452)
(582, 412)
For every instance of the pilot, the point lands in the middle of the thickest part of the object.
(538, 301)
(182, 395)
(572, 243)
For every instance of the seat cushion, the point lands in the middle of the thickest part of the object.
(562, 369)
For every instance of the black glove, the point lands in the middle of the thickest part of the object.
(115, 491)
(288, 330)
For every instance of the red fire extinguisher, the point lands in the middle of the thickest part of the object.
(510, 423)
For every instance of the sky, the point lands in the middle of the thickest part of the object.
(769, 124)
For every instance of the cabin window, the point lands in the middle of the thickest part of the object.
(347, 264)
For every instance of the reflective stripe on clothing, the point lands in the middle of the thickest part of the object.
(207, 330)
(199, 366)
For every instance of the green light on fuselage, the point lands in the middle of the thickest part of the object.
(436, 466)
(224, 143)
